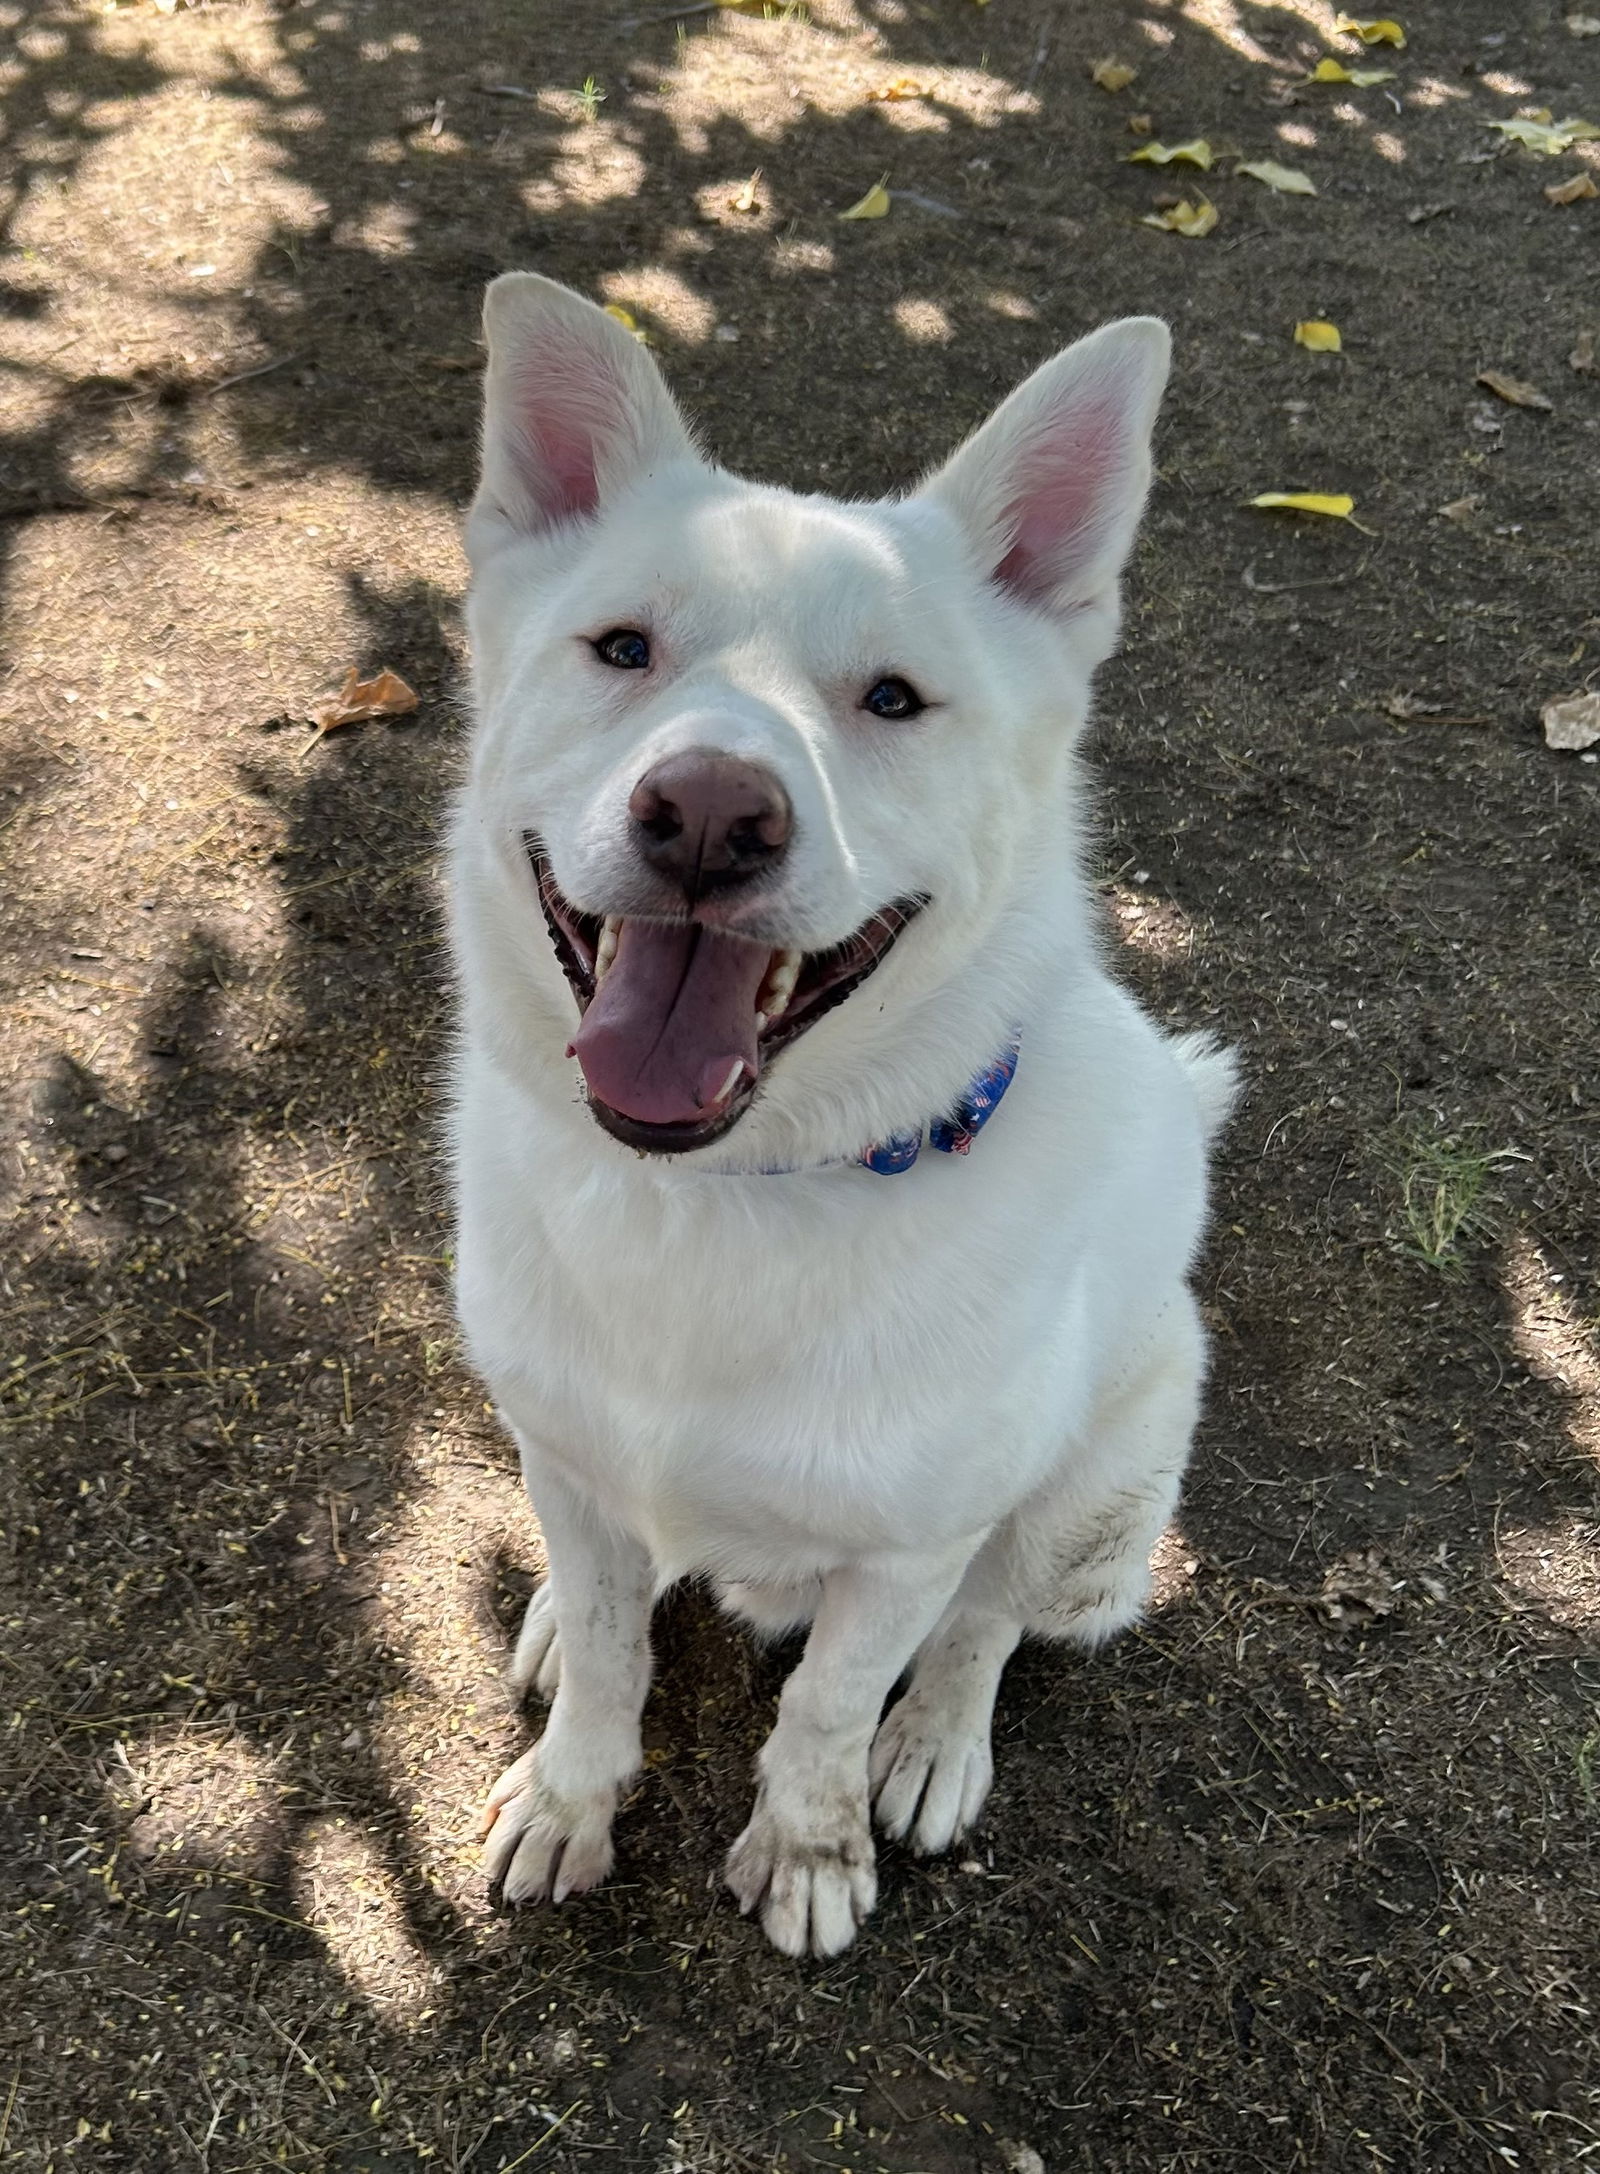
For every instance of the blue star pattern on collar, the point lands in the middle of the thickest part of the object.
(952, 1134)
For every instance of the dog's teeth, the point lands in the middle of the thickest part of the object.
(782, 975)
(606, 949)
(735, 1074)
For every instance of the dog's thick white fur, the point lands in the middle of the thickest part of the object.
(924, 1413)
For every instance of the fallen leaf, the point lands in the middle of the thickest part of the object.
(1462, 509)
(1317, 334)
(1194, 220)
(1575, 191)
(903, 87)
(1140, 124)
(1584, 26)
(1382, 31)
(1197, 152)
(1515, 389)
(1547, 136)
(746, 198)
(1359, 1589)
(1583, 355)
(1573, 722)
(384, 695)
(1112, 75)
(1336, 504)
(628, 322)
(1286, 180)
(874, 205)
(1329, 70)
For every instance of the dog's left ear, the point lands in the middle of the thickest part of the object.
(1050, 488)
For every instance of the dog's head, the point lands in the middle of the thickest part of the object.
(770, 819)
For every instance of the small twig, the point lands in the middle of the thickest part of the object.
(1041, 53)
(1281, 588)
(240, 377)
(539, 2143)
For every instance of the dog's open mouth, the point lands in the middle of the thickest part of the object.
(679, 1019)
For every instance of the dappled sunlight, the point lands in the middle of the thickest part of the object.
(1551, 1337)
(1551, 1567)
(923, 320)
(344, 1890)
(662, 297)
(1157, 927)
(200, 1797)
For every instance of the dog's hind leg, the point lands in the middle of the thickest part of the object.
(1072, 1562)
(772, 1610)
(536, 1662)
(931, 1765)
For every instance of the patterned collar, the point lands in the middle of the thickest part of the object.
(952, 1134)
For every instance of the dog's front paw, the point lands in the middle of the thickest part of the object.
(536, 1663)
(812, 1887)
(930, 1771)
(542, 1846)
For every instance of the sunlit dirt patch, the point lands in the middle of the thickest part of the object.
(1549, 1334)
(1155, 926)
(342, 1888)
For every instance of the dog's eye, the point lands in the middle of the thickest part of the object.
(896, 699)
(625, 647)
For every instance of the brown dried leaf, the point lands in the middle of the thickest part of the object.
(1583, 355)
(1360, 1588)
(1515, 389)
(1575, 191)
(384, 695)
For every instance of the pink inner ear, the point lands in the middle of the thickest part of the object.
(1062, 490)
(568, 408)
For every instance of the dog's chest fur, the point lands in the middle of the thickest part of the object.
(768, 1374)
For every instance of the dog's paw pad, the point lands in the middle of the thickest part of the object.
(930, 1773)
(539, 1846)
(812, 1891)
(536, 1663)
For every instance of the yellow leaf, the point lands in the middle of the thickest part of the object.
(1284, 179)
(1547, 136)
(903, 86)
(1335, 71)
(874, 205)
(1317, 334)
(1384, 31)
(1194, 220)
(628, 321)
(746, 198)
(1516, 390)
(1195, 153)
(1573, 191)
(1112, 75)
(1335, 504)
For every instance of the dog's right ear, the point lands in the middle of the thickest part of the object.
(574, 411)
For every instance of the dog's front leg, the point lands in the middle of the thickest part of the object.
(548, 1818)
(806, 1858)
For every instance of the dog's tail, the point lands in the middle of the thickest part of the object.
(1213, 1073)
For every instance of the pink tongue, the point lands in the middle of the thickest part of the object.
(674, 1016)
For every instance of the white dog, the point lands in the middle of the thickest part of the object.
(766, 876)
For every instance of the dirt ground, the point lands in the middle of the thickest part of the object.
(1302, 1875)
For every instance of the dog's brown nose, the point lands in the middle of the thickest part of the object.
(709, 820)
